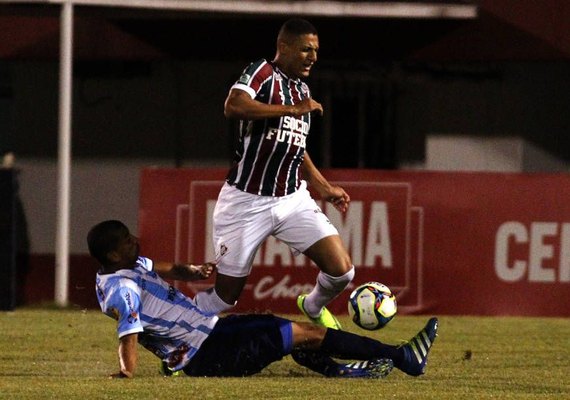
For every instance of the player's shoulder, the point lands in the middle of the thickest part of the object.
(259, 67)
(145, 263)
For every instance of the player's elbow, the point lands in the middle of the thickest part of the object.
(238, 105)
(232, 111)
(229, 112)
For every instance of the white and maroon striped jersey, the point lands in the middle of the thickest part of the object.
(271, 150)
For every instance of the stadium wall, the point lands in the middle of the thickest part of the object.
(445, 242)
(454, 243)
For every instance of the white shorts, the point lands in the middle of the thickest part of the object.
(242, 222)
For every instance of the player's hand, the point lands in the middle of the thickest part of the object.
(120, 375)
(203, 271)
(338, 198)
(305, 106)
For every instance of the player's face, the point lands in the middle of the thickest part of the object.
(300, 55)
(128, 250)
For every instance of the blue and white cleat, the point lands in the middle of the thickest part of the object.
(372, 369)
(375, 368)
(416, 350)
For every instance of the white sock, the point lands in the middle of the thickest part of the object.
(210, 303)
(326, 289)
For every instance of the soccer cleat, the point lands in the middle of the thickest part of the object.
(372, 369)
(326, 319)
(165, 371)
(325, 365)
(416, 350)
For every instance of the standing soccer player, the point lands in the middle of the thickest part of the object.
(266, 190)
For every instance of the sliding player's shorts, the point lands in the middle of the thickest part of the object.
(242, 345)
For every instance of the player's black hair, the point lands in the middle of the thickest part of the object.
(104, 238)
(296, 27)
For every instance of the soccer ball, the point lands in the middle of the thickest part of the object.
(372, 305)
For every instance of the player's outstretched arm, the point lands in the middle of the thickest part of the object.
(128, 356)
(184, 272)
(331, 193)
(240, 105)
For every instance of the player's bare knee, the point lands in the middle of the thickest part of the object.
(307, 336)
(345, 263)
(229, 288)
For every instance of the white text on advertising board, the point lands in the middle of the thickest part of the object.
(546, 246)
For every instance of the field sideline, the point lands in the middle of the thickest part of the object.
(68, 354)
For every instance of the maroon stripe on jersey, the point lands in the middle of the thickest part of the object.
(265, 149)
(284, 178)
(296, 94)
(284, 172)
(289, 165)
(261, 76)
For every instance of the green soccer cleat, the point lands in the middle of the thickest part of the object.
(326, 319)
(165, 371)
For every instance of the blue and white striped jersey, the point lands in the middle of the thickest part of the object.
(270, 151)
(168, 323)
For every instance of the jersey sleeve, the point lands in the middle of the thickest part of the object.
(124, 305)
(146, 263)
(253, 77)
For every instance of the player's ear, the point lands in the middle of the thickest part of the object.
(282, 47)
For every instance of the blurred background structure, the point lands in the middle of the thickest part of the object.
(436, 85)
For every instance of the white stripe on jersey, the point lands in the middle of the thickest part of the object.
(250, 128)
(245, 88)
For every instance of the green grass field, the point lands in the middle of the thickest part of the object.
(68, 354)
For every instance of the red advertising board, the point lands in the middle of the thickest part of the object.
(446, 243)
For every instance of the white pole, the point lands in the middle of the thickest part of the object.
(64, 155)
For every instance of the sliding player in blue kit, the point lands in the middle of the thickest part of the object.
(132, 290)
(266, 190)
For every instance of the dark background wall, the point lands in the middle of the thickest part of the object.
(149, 86)
(152, 84)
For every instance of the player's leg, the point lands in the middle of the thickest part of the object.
(340, 344)
(310, 343)
(242, 345)
(313, 346)
(237, 234)
(222, 296)
(336, 272)
(305, 228)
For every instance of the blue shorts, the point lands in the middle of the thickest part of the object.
(242, 345)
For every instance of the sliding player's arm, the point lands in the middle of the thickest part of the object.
(184, 272)
(128, 356)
